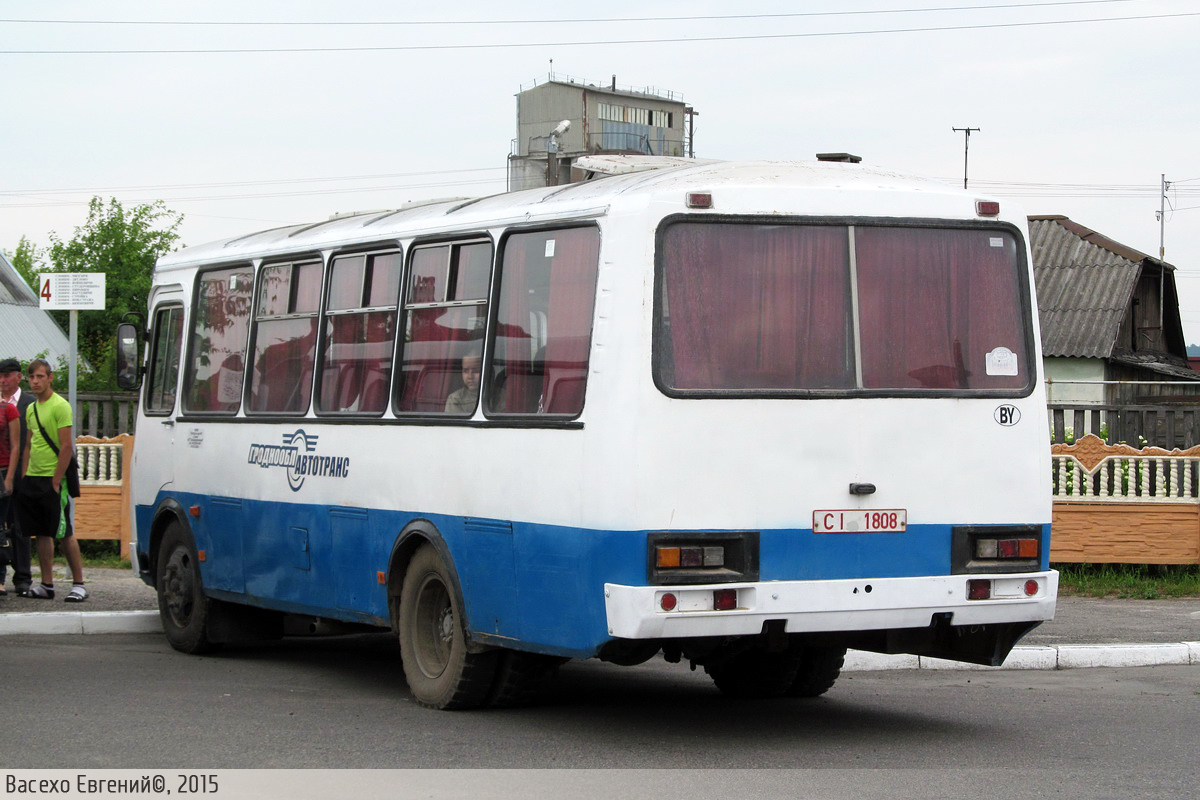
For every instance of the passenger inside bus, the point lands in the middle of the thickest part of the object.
(463, 399)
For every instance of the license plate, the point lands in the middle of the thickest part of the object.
(860, 520)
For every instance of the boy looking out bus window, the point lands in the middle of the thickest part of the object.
(462, 400)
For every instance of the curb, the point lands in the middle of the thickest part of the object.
(1065, 656)
(36, 622)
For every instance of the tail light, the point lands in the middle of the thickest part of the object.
(996, 548)
(702, 557)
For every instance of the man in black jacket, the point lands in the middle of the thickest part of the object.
(10, 391)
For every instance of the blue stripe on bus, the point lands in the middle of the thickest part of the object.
(539, 585)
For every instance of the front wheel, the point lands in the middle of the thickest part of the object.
(441, 673)
(182, 606)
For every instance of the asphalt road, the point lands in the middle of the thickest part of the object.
(129, 701)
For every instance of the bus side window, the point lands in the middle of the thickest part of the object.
(164, 360)
(217, 345)
(445, 318)
(360, 331)
(285, 337)
(544, 322)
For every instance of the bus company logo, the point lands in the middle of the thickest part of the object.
(298, 456)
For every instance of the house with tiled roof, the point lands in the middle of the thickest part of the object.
(1108, 313)
(25, 329)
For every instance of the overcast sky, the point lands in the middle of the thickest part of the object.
(1081, 106)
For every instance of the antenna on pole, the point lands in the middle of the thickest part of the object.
(1162, 216)
(966, 147)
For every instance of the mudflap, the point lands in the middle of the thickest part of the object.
(987, 645)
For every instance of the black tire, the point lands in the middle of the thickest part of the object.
(520, 678)
(441, 673)
(819, 669)
(755, 673)
(182, 606)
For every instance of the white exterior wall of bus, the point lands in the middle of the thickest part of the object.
(979, 223)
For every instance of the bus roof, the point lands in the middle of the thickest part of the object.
(586, 199)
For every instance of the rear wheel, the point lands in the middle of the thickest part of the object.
(181, 602)
(520, 677)
(819, 669)
(441, 673)
(755, 673)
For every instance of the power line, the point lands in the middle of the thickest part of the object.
(1004, 188)
(544, 21)
(256, 195)
(609, 42)
(162, 187)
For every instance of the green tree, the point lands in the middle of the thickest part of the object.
(124, 244)
(27, 261)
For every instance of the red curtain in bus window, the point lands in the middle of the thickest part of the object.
(283, 365)
(358, 362)
(757, 307)
(515, 384)
(435, 343)
(940, 309)
(569, 318)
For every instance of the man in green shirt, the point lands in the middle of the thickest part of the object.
(43, 503)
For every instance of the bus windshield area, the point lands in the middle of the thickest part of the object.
(841, 309)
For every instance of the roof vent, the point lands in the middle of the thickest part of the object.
(845, 158)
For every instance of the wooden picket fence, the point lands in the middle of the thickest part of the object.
(1125, 505)
(103, 508)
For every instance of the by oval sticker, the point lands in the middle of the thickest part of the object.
(1007, 415)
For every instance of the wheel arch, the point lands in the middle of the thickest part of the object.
(168, 511)
(415, 534)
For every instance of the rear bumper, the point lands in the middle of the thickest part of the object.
(635, 612)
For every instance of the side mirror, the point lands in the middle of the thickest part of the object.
(129, 366)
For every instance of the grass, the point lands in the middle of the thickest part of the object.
(96, 553)
(1129, 581)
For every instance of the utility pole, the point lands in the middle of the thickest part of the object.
(690, 132)
(966, 147)
(1164, 184)
(1162, 216)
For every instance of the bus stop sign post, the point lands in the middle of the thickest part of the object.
(71, 291)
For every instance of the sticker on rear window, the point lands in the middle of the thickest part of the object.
(1001, 361)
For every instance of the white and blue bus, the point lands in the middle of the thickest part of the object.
(746, 415)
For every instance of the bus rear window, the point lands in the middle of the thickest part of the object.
(814, 309)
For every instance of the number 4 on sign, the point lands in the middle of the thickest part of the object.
(45, 293)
